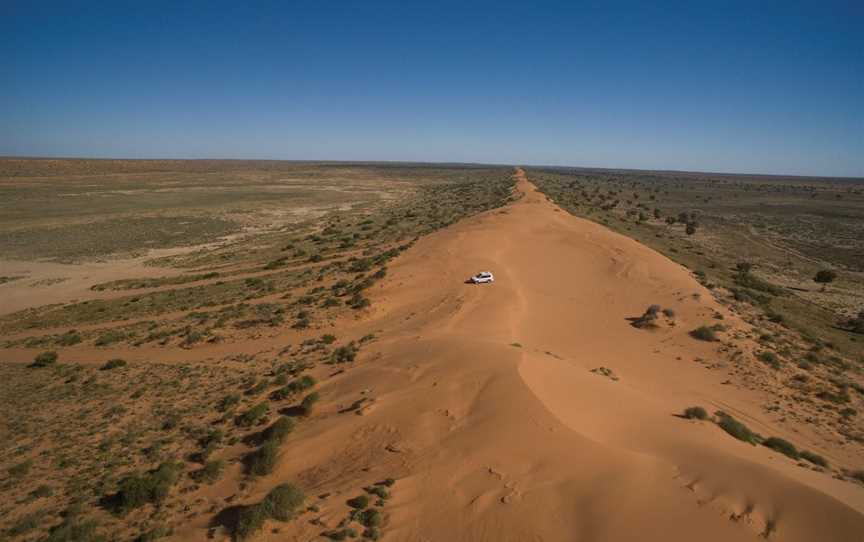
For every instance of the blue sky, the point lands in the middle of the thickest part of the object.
(758, 86)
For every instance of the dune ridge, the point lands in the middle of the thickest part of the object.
(483, 401)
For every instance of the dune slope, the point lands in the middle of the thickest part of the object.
(484, 404)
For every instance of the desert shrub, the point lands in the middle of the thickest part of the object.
(848, 412)
(27, 523)
(748, 280)
(69, 338)
(44, 359)
(783, 446)
(136, 490)
(258, 387)
(774, 317)
(358, 302)
(372, 533)
(379, 491)
(359, 502)
(283, 501)
(250, 520)
(42, 491)
(696, 413)
(262, 461)
(113, 364)
(769, 358)
(371, 518)
(328, 338)
(735, 428)
(308, 403)
(280, 429)
(824, 276)
(210, 472)
(345, 353)
(253, 415)
(704, 333)
(20, 470)
(155, 533)
(74, 529)
(648, 318)
(294, 387)
(816, 459)
(109, 337)
(839, 398)
(227, 402)
(209, 442)
(669, 313)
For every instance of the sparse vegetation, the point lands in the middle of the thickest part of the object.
(783, 446)
(115, 363)
(704, 333)
(696, 413)
(735, 428)
(44, 359)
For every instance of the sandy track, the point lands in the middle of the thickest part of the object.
(494, 441)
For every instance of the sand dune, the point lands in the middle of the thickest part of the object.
(493, 440)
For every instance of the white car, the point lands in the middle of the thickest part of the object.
(483, 277)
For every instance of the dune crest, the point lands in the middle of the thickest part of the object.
(532, 409)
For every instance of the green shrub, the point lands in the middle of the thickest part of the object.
(155, 534)
(359, 502)
(42, 491)
(73, 529)
(783, 446)
(308, 403)
(704, 333)
(769, 358)
(296, 386)
(345, 354)
(371, 518)
(735, 428)
(69, 338)
(20, 470)
(816, 459)
(328, 338)
(113, 364)
(27, 523)
(696, 413)
(262, 461)
(280, 429)
(378, 491)
(44, 359)
(253, 415)
(227, 402)
(283, 501)
(250, 520)
(109, 337)
(211, 472)
(137, 490)
(372, 533)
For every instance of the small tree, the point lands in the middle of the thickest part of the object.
(691, 228)
(744, 267)
(824, 277)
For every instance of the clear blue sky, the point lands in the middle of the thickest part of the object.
(757, 86)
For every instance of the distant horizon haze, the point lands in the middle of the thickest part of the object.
(767, 88)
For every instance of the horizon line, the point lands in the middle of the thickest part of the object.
(445, 163)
